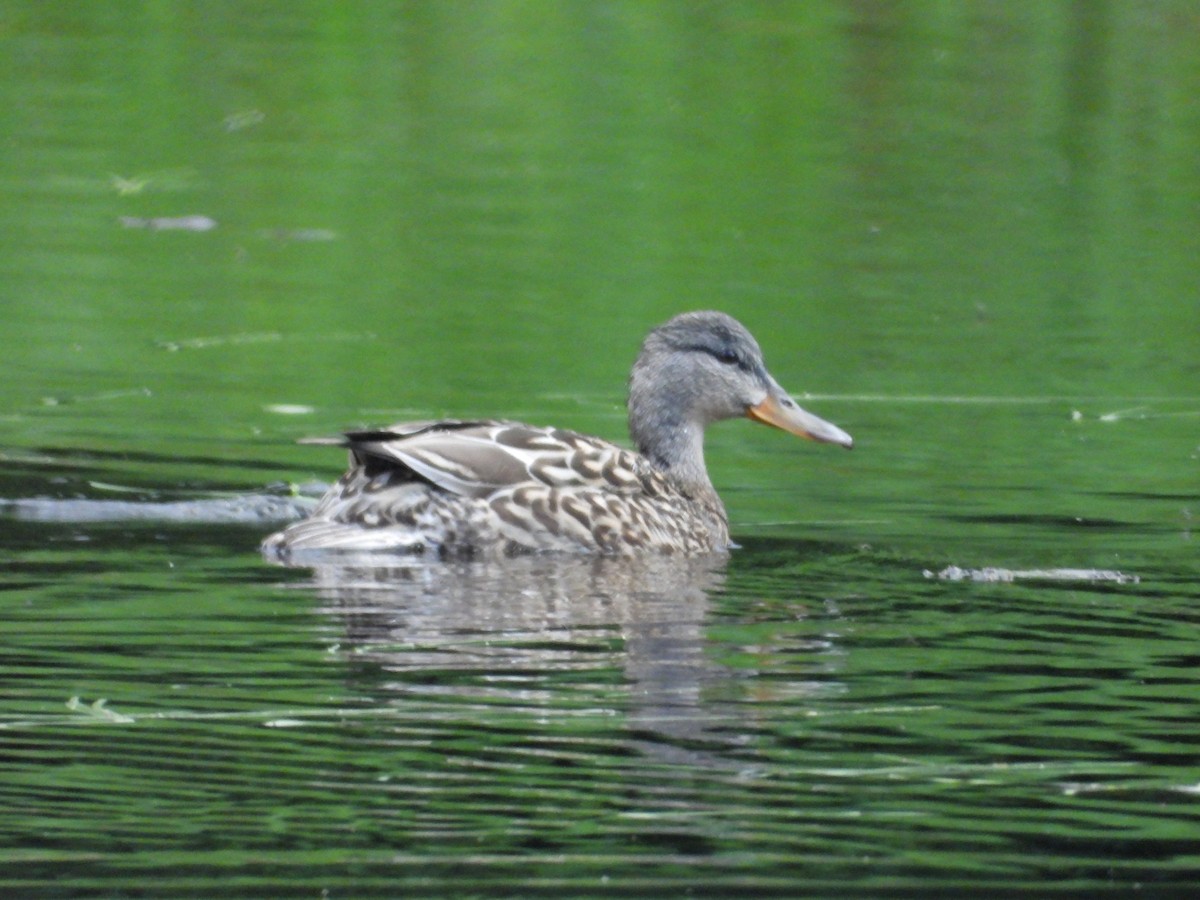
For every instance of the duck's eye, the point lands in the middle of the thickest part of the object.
(727, 356)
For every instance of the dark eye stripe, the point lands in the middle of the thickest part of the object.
(725, 355)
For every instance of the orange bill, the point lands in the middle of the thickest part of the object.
(782, 412)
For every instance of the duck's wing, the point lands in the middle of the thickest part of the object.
(479, 458)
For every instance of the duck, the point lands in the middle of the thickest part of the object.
(467, 487)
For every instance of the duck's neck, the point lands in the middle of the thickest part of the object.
(674, 445)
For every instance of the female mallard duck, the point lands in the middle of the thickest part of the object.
(461, 487)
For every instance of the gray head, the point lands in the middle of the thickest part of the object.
(701, 367)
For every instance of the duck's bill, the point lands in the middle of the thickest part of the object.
(794, 420)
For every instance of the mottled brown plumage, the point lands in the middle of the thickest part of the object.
(464, 487)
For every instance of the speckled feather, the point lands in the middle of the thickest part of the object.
(457, 487)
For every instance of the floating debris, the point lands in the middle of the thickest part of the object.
(127, 186)
(240, 509)
(1137, 412)
(97, 710)
(302, 235)
(992, 575)
(116, 488)
(289, 409)
(162, 180)
(102, 396)
(260, 337)
(246, 118)
(202, 343)
(168, 223)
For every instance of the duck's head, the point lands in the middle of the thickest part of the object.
(701, 367)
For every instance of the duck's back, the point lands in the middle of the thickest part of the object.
(465, 487)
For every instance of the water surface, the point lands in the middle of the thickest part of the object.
(965, 233)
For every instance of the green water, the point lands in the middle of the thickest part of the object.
(965, 232)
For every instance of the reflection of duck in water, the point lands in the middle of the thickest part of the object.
(480, 609)
(462, 487)
(618, 643)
